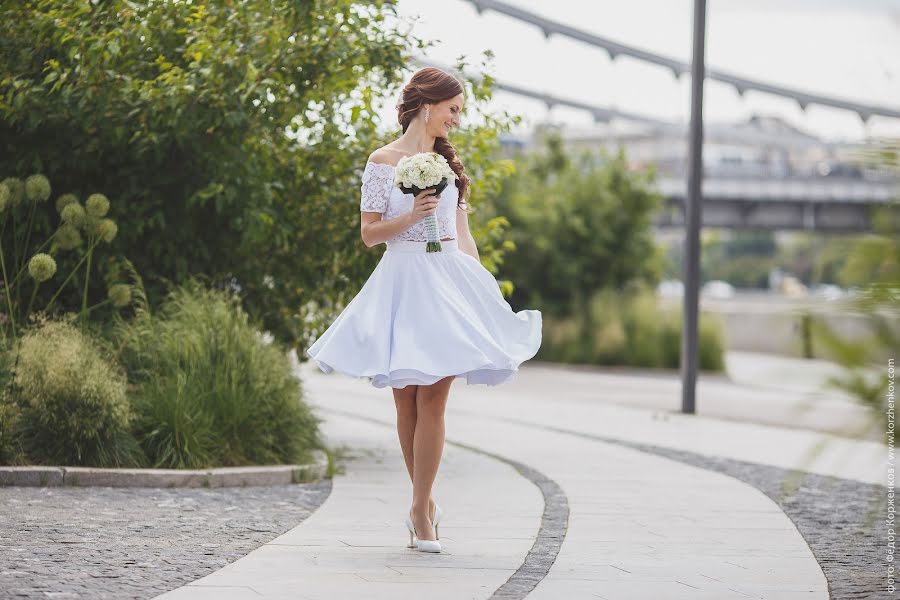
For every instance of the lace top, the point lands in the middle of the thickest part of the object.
(380, 195)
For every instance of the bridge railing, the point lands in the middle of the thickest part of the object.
(789, 189)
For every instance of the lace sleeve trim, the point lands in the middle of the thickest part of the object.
(377, 180)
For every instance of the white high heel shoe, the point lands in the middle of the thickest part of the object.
(437, 519)
(421, 545)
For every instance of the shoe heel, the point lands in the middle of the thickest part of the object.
(437, 519)
(412, 531)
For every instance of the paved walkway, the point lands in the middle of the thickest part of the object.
(798, 385)
(614, 405)
(757, 389)
(354, 546)
(638, 526)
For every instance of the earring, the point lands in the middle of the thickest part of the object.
(426, 114)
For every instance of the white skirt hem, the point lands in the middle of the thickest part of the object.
(490, 376)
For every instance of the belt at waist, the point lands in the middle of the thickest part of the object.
(410, 246)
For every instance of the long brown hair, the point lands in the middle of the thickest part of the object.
(432, 85)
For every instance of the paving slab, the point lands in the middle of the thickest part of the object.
(638, 525)
(606, 405)
(354, 546)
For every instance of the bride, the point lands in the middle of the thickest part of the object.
(422, 319)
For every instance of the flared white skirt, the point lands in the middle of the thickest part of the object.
(422, 316)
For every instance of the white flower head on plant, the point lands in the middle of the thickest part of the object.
(107, 230)
(65, 200)
(73, 213)
(120, 294)
(68, 237)
(16, 190)
(97, 205)
(41, 267)
(37, 188)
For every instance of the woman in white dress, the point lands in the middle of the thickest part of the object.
(423, 319)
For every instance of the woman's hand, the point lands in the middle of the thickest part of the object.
(424, 205)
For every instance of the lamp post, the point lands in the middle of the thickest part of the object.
(693, 216)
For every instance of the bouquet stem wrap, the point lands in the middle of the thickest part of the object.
(432, 235)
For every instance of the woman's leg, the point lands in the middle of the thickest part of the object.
(428, 445)
(405, 400)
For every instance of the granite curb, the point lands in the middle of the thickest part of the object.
(49, 476)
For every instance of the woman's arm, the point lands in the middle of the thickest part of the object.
(376, 190)
(375, 230)
(466, 241)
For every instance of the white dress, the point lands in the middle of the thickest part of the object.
(422, 316)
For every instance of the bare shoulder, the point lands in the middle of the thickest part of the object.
(383, 156)
(386, 156)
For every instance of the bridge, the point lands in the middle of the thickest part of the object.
(792, 203)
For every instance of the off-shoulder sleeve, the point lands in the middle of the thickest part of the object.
(377, 181)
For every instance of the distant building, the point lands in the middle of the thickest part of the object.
(762, 147)
(762, 174)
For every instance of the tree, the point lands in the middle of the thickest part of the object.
(743, 258)
(579, 224)
(229, 134)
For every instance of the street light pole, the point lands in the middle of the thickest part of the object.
(693, 217)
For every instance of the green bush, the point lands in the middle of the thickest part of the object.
(10, 441)
(209, 390)
(711, 344)
(11, 451)
(580, 221)
(626, 328)
(644, 331)
(742, 258)
(70, 401)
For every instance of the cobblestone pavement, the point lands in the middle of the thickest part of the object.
(104, 542)
(841, 520)
(139, 542)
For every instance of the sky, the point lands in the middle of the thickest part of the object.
(847, 49)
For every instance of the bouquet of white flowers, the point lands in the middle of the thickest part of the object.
(420, 172)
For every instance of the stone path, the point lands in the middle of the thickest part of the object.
(613, 406)
(639, 525)
(841, 519)
(354, 546)
(563, 483)
(116, 543)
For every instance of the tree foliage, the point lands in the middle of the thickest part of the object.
(580, 223)
(228, 134)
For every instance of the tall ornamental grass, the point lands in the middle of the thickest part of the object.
(11, 451)
(67, 403)
(209, 391)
